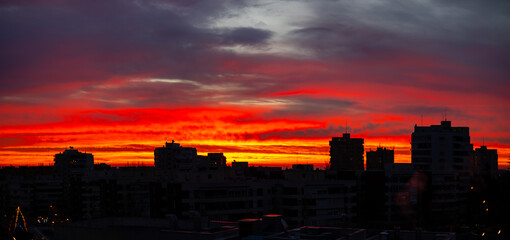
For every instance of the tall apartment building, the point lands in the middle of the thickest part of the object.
(71, 167)
(444, 154)
(346, 153)
(377, 159)
(486, 162)
(441, 148)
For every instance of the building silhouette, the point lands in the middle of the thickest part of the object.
(173, 156)
(486, 162)
(377, 159)
(346, 153)
(444, 155)
(441, 148)
(72, 163)
(72, 167)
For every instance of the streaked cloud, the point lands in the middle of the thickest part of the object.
(246, 72)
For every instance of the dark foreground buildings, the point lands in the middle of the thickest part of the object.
(447, 187)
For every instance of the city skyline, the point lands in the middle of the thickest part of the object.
(361, 150)
(447, 187)
(268, 82)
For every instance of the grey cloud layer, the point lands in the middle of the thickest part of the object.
(87, 43)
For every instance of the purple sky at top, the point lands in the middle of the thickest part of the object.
(327, 61)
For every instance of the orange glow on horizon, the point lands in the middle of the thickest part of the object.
(129, 136)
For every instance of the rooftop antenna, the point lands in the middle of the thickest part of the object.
(345, 126)
(483, 141)
(444, 115)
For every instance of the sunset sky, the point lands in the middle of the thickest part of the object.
(269, 82)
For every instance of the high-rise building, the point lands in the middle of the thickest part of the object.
(444, 155)
(377, 159)
(346, 153)
(486, 162)
(441, 148)
(73, 168)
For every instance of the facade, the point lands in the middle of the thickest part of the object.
(314, 197)
(346, 153)
(377, 159)
(441, 148)
(486, 162)
(71, 167)
(227, 200)
(444, 155)
(404, 187)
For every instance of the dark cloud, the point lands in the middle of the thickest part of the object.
(93, 41)
(461, 37)
(48, 43)
(432, 111)
(366, 129)
(247, 36)
(309, 108)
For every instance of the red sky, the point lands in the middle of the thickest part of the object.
(267, 82)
